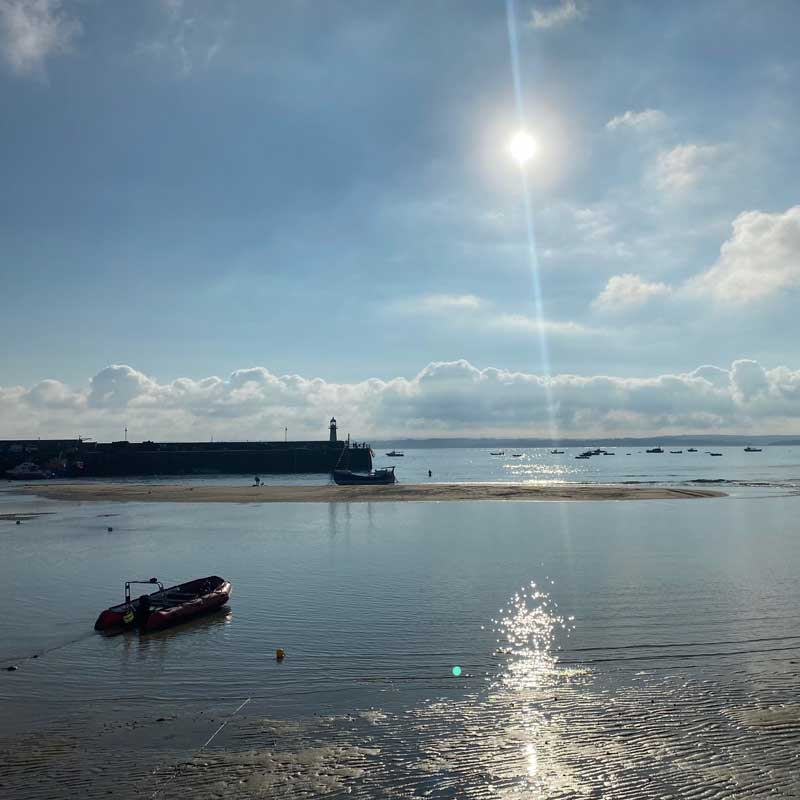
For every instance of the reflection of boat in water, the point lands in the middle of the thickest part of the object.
(692, 450)
(379, 477)
(752, 449)
(27, 471)
(395, 454)
(557, 452)
(166, 607)
(498, 453)
(655, 450)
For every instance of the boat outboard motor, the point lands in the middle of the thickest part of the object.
(143, 610)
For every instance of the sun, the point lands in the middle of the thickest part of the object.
(523, 147)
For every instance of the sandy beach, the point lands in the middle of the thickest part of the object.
(126, 492)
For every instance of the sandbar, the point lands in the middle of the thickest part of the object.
(330, 493)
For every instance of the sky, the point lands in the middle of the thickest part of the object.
(223, 218)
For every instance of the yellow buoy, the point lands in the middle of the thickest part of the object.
(279, 654)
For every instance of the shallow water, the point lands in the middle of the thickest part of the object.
(658, 653)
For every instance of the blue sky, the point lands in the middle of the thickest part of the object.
(324, 189)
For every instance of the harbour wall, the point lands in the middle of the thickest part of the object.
(76, 458)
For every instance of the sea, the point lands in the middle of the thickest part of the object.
(498, 649)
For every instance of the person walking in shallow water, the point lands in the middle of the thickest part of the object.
(430, 474)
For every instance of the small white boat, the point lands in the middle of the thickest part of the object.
(27, 471)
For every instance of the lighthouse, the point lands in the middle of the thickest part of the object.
(333, 430)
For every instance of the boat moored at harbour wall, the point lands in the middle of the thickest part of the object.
(77, 457)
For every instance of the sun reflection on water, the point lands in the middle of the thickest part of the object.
(526, 634)
(528, 683)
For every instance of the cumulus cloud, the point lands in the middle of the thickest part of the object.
(564, 12)
(33, 30)
(628, 292)
(759, 261)
(444, 398)
(645, 120)
(680, 168)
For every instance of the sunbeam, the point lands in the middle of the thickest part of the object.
(523, 147)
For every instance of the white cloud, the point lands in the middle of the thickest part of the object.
(629, 292)
(444, 302)
(449, 397)
(485, 316)
(566, 11)
(185, 38)
(678, 169)
(33, 30)
(759, 261)
(527, 324)
(646, 120)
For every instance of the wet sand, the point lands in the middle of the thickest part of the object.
(330, 493)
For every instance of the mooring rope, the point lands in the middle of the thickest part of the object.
(10, 660)
(205, 744)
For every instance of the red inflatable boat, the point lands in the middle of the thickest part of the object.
(151, 612)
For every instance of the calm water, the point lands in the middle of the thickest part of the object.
(774, 465)
(634, 465)
(658, 653)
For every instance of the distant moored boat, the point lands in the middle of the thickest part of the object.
(395, 454)
(27, 471)
(752, 449)
(380, 477)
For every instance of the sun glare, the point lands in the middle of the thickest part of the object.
(523, 147)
